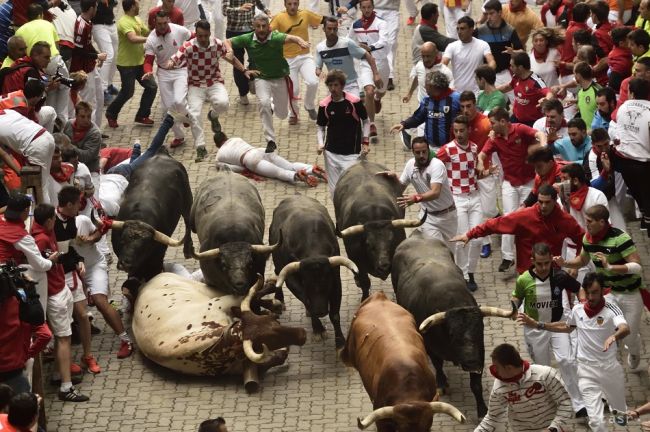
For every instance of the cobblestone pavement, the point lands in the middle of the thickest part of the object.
(314, 391)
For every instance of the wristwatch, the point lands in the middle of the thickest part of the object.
(541, 325)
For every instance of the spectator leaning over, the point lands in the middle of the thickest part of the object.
(587, 89)
(22, 415)
(33, 66)
(522, 18)
(301, 62)
(553, 124)
(600, 325)
(427, 31)
(576, 145)
(632, 152)
(619, 58)
(132, 34)
(606, 104)
(548, 408)
(105, 36)
(488, 97)
(639, 43)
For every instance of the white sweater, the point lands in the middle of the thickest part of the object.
(632, 128)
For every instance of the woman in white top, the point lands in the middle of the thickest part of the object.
(544, 55)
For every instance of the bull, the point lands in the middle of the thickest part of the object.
(209, 332)
(429, 285)
(370, 221)
(310, 268)
(158, 195)
(385, 347)
(228, 218)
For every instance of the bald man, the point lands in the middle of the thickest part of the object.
(16, 48)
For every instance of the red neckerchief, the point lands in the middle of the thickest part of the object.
(541, 56)
(599, 236)
(78, 133)
(577, 198)
(365, 22)
(443, 95)
(514, 379)
(520, 8)
(591, 312)
(63, 176)
(424, 22)
(169, 30)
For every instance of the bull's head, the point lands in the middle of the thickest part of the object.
(317, 278)
(411, 417)
(135, 242)
(464, 328)
(236, 261)
(263, 332)
(379, 241)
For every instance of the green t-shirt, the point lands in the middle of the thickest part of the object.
(486, 102)
(39, 30)
(616, 245)
(268, 57)
(587, 103)
(130, 54)
(542, 298)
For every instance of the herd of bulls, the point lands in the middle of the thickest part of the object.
(218, 327)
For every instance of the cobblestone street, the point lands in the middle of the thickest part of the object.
(313, 391)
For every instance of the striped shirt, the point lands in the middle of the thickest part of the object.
(461, 166)
(538, 401)
(238, 20)
(616, 246)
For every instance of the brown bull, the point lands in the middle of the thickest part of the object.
(385, 347)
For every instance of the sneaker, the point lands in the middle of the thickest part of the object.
(73, 395)
(312, 114)
(136, 151)
(643, 225)
(581, 413)
(201, 153)
(243, 100)
(109, 258)
(145, 121)
(91, 364)
(270, 147)
(214, 122)
(75, 369)
(410, 21)
(309, 180)
(633, 361)
(486, 250)
(112, 123)
(406, 140)
(319, 172)
(471, 284)
(94, 330)
(293, 120)
(75, 379)
(126, 349)
(377, 106)
(108, 98)
(177, 142)
(505, 265)
(391, 85)
(112, 90)
(373, 130)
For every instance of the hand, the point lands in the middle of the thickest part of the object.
(645, 426)
(492, 134)
(610, 340)
(53, 85)
(81, 268)
(379, 83)
(342, 10)
(246, 7)
(320, 149)
(603, 259)
(252, 73)
(406, 200)
(460, 238)
(303, 43)
(525, 320)
(147, 76)
(54, 257)
(229, 56)
(552, 135)
(572, 272)
(559, 261)
(510, 49)
(365, 149)
(407, 98)
(632, 414)
(397, 128)
(102, 57)
(607, 164)
(170, 64)
(318, 72)
(364, 46)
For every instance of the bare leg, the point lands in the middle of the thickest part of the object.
(111, 316)
(81, 316)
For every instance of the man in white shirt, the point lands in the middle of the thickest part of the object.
(581, 196)
(466, 55)
(429, 63)
(553, 124)
(600, 325)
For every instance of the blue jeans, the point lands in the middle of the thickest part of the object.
(158, 140)
(129, 75)
(18, 383)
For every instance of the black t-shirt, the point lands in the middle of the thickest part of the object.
(65, 232)
(343, 122)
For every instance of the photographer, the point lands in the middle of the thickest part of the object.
(20, 71)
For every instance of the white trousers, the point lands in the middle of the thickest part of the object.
(303, 66)
(392, 25)
(541, 343)
(273, 96)
(93, 93)
(488, 188)
(275, 166)
(46, 117)
(59, 99)
(631, 305)
(442, 227)
(335, 164)
(217, 95)
(39, 152)
(105, 36)
(601, 381)
(470, 214)
(615, 214)
(513, 197)
(451, 16)
(352, 88)
(173, 98)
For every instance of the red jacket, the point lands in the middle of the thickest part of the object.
(530, 227)
(21, 70)
(603, 37)
(567, 52)
(16, 345)
(10, 233)
(55, 275)
(620, 60)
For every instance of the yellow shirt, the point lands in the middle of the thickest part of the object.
(524, 22)
(39, 30)
(130, 54)
(297, 25)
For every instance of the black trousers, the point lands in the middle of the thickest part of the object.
(636, 175)
(240, 79)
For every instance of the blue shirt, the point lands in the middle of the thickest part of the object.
(340, 56)
(437, 116)
(570, 153)
(599, 121)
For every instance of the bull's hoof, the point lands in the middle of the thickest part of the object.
(252, 387)
(278, 307)
(319, 337)
(340, 343)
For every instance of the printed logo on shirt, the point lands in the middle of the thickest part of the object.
(536, 388)
(557, 291)
(513, 397)
(446, 109)
(160, 47)
(600, 320)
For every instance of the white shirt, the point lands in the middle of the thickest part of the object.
(82, 175)
(64, 22)
(88, 251)
(465, 58)
(594, 197)
(422, 180)
(111, 190)
(17, 131)
(27, 245)
(163, 47)
(547, 70)
(631, 128)
(593, 332)
(375, 36)
(540, 125)
(420, 71)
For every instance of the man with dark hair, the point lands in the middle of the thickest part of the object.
(528, 88)
(488, 97)
(174, 13)
(534, 394)
(553, 124)
(580, 14)
(606, 104)
(213, 425)
(575, 146)
(547, 172)
(556, 13)
(600, 17)
(600, 325)
(640, 69)
(29, 103)
(619, 58)
(581, 195)
(639, 43)
(544, 221)
(587, 89)
(427, 31)
(22, 414)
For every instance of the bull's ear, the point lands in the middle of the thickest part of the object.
(235, 311)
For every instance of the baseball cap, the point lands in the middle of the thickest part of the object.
(16, 204)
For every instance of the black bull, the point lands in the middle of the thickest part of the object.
(428, 284)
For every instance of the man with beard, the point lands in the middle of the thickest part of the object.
(606, 104)
(581, 195)
(553, 123)
(575, 146)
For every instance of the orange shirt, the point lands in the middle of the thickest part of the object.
(5, 426)
(479, 129)
(613, 4)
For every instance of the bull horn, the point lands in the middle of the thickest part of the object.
(292, 267)
(343, 261)
(116, 224)
(498, 312)
(409, 223)
(210, 253)
(264, 249)
(434, 319)
(450, 410)
(378, 414)
(254, 356)
(353, 230)
(166, 240)
(246, 303)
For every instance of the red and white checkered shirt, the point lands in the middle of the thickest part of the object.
(202, 63)
(461, 166)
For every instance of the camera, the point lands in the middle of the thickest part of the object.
(68, 82)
